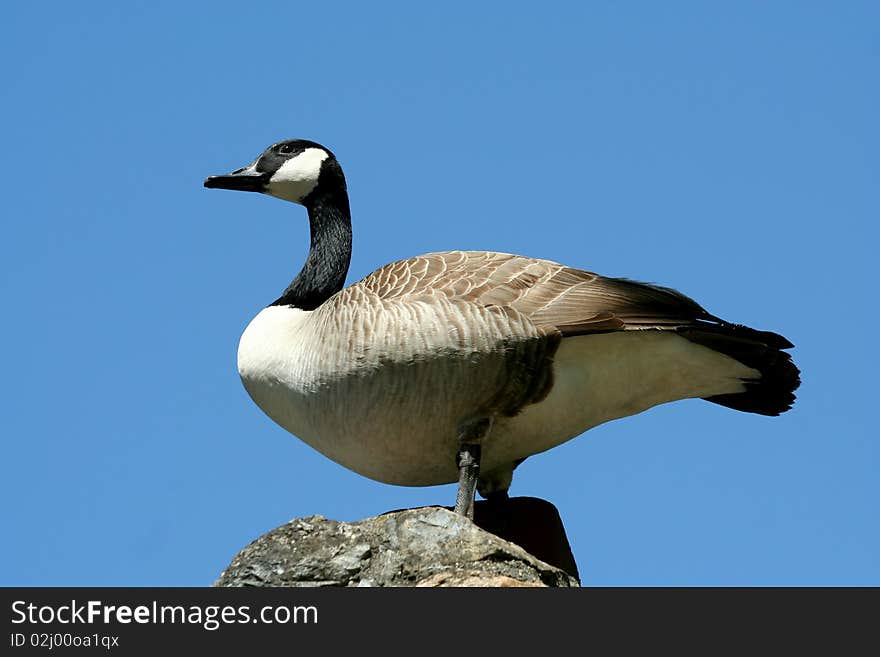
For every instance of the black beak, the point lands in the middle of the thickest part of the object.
(244, 180)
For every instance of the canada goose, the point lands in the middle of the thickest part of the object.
(459, 365)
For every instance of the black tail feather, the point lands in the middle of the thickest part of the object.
(773, 393)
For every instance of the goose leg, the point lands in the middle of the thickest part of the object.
(470, 435)
(468, 473)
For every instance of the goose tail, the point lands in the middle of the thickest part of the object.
(773, 392)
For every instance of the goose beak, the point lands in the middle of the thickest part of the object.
(247, 179)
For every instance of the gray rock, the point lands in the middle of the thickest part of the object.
(430, 546)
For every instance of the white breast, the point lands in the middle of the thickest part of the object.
(381, 394)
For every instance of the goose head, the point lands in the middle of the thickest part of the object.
(292, 170)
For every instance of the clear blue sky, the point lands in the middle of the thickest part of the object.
(728, 151)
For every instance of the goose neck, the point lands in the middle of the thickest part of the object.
(326, 266)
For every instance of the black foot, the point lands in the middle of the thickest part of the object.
(496, 515)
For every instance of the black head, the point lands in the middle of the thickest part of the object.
(290, 170)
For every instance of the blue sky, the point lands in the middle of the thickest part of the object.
(727, 151)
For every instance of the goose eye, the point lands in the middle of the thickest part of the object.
(285, 148)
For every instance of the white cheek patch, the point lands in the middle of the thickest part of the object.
(296, 178)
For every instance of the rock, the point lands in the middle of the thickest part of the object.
(429, 546)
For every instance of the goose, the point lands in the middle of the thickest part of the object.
(456, 366)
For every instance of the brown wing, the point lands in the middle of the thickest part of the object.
(561, 301)
(550, 294)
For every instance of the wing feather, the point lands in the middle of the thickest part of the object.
(549, 294)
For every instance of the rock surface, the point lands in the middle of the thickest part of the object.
(430, 546)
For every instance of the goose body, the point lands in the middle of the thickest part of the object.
(383, 375)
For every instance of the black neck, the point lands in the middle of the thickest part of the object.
(324, 273)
